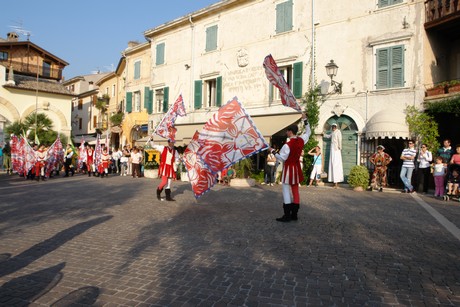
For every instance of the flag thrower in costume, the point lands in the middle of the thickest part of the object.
(228, 137)
(276, 78)
(166, 128)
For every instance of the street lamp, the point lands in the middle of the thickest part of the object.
(331, 71)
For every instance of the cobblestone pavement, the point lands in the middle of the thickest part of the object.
(82, 241)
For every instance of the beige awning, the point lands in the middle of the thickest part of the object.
(272, 124)
(387, 124)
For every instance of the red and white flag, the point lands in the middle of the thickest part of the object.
(81, 153)
(276, 78)
(97, 151)
(166, 127)
(55, 156)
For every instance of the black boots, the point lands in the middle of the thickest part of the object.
(168, 195)
(287, 213)
(290, 213)
(294, 210)
(159, 193)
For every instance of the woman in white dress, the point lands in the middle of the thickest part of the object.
(335, 172)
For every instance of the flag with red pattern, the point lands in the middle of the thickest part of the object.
(28, 155)
(97, 152)
(200, 177)
(55, 156)
(228, 137)
(276, 78)
(81, 153)
(166, 127)
(16, 158)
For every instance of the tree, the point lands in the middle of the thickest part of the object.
(422, 127)
(312, 110)
(16, 128)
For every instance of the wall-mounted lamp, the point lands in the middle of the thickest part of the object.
(331, 71)
(187, 67)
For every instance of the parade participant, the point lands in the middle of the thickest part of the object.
(90, 160)
(40, 157)
(292, 173)
(380, 160)
(408, 157)
(104, 165)
(335, 171)
(169, 157)
(68, 161)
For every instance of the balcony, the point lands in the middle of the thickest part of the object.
(442, 14)
(29, 69)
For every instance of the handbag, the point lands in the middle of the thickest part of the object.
(323, 175)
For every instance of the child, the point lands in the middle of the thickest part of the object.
(317, 165)
(452, 182)
(439, 171)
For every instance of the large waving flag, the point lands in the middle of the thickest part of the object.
(276, 78)
(166, 127)
(97, 152)
(228, 137)
(200, 177)
(81, 153)
(55, 155)
(28, 155)
(16, 159)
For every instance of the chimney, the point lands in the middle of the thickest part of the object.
(12, 36)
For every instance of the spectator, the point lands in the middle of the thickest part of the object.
(317, 165)
(424, 161)
(446, 151)
(439, 172)
(408, 158)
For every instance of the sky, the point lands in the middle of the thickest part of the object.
(90, 35)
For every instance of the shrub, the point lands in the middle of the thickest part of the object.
(359, 176)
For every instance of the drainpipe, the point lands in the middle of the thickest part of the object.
(192, 61)
(312, 82)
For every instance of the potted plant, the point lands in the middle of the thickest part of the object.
(454, 86)
(151, 169)
(438, 89)
(358, 178)
(243, 170)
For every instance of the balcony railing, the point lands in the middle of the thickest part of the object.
(31, 69)
(436, 10)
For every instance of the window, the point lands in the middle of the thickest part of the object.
(211, 38)
(80, 123)
(46, 69)
(107, 91)
(212, 90)
(384, 3)
(293, 76)
(3, 56)
(80, 104)
(160, 54)
(137, 101)
(390, 67)
(113, 90)
(159, 100)
(94, 121)
(137, 70)
(284, 17)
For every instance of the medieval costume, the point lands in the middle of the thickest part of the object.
(335, 171)
(380, 160)
(89, 160)
(292, 173)
(167, 172)
(40, 157)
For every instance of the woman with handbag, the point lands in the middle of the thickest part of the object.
(316, 166)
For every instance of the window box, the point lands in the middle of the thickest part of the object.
(454, 86)
(437, 90)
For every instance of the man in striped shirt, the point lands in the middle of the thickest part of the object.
(408, 157)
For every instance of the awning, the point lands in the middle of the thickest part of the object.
(270, 125)
(387, 124)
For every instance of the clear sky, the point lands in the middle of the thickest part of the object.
(90, 35)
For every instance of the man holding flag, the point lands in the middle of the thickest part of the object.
(167, 172)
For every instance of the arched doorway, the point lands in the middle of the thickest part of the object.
(349, 131)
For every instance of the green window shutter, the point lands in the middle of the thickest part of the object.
(219, 91)
(383, 72)
(297, 82)
(284, 16)
(146, 96)
(198, 94)
(137, 70)
(383, 3)
(129, 102)
(160, 54)
(211, 38)
(270, 92)
(166, 99)
(397, 66)
(150, 102)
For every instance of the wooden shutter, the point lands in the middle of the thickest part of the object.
(150, 103)
(160, 54)
(383, 73)
(271, 91)
(137, 70)
(129, 102)
(284, 16)
(297, 82)
(397, 66)
(198, 94)
(219, 91)
(211, 38)
(165, 99)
